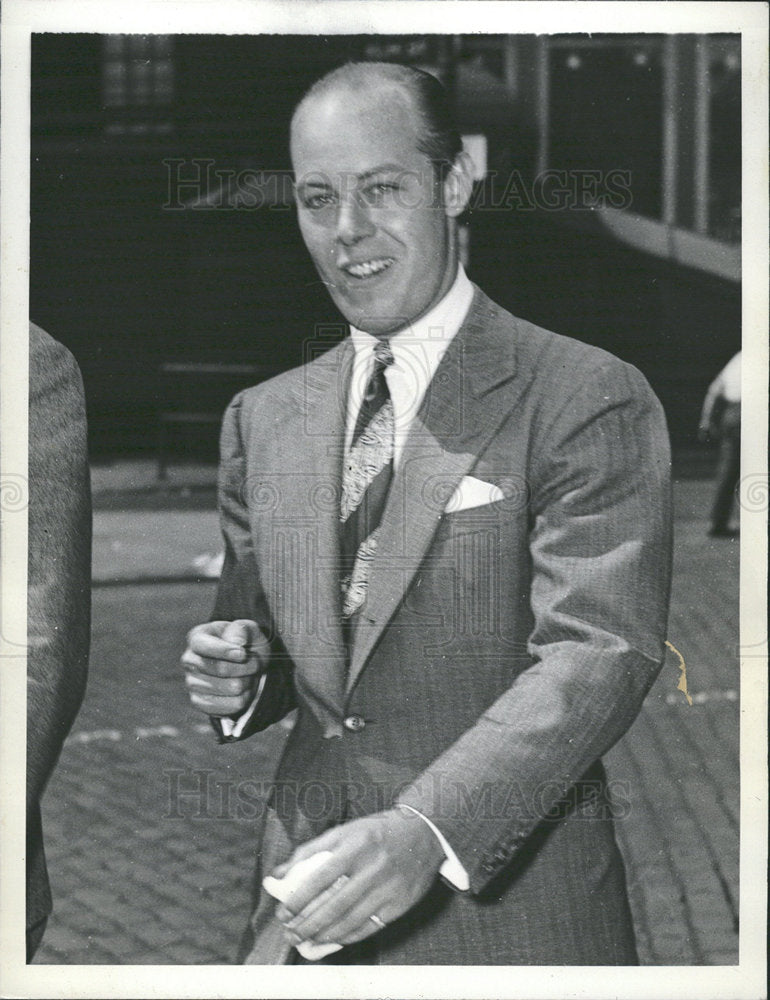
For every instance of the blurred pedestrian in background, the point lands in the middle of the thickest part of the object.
(58, 596)
(721, 420)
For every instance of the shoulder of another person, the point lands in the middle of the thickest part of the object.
(45, 350)
(54, 374)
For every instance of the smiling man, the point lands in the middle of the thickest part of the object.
(448, 547)
(375, 214)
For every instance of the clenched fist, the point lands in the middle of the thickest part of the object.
(224, 661)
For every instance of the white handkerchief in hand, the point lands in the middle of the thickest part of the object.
(472, 492)
(283, 889)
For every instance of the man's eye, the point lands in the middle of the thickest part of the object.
(316, 201)
(379, 190)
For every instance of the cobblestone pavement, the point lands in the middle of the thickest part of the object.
(150, 826)
(680, 761)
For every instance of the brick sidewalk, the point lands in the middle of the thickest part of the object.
(144, 874)
(681, 764)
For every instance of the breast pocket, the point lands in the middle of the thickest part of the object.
(484, 519)
(476, 577)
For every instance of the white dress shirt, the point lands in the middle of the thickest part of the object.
(726, 386)
(417, 351)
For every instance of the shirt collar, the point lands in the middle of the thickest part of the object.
(435, 330)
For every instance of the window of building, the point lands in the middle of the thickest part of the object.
(137, 83)
(723, 138)
(606, 111)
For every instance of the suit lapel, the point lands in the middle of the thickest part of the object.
(473, 390)
(299, 545)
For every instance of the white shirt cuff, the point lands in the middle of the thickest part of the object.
(233, 728)
(452, 870)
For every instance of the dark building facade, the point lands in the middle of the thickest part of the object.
(165, 253)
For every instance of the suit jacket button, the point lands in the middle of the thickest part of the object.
(354, 723)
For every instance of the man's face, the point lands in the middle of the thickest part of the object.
(370, 207)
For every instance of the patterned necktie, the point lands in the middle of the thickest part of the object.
(365, 482)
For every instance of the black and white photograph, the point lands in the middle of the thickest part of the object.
(384, 499)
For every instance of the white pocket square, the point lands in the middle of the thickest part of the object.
(472, 492)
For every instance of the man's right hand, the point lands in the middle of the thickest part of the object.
(224, 661)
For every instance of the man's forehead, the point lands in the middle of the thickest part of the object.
(371, 92)
(340, 122)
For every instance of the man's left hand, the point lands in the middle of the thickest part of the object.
(381, 865)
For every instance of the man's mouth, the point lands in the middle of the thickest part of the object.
(368, 268)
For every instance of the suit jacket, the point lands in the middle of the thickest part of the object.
(58, 597)
(502, 648)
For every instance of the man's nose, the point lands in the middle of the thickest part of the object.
(353, 222)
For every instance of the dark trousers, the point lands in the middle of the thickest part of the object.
(728, 468)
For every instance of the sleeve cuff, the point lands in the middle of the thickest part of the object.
(452, 870)
(233, 728)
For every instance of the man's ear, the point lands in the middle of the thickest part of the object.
(458, 185)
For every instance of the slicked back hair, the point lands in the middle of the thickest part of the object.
(439, 138)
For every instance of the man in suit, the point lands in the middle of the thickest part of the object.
(58, 591)
(447, 545)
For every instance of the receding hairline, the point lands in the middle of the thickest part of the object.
(353, 76)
